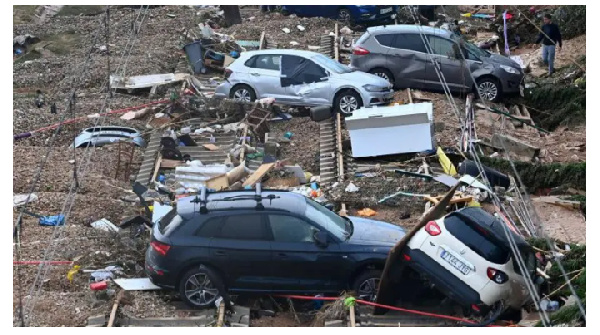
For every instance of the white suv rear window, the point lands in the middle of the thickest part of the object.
(478, 240)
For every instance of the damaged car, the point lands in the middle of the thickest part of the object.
(467, 256)
(304, 79)
(99, 136)
(408, 55)
(266, 242)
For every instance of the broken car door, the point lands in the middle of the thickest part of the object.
(299, 264)
(306, 83)
(407, 60)
(264, 76)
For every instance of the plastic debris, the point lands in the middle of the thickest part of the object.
(301, 28)
(21, 199)
(351, 188)
(367, 212)
(54, 220)
(286, 30)
(447, 165)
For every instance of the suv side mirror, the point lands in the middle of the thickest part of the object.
(321, 239)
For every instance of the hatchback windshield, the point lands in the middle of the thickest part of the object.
(329, 220)
(332, 65)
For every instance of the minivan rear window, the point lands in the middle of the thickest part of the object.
(412, 42)
(386, 40)
(477, 240)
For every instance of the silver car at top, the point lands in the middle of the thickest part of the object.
(302, 78)
(99, 136)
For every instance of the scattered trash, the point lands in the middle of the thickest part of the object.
(301, 28)
(351, 188)
(549, 305)
(346, 31)
(54, 220)
(294, 43)
(21, 199)
(99, 286)
(136, 284)
(367, 212)
(445, 162)
(105, 225)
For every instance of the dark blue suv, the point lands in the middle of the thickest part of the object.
(265, 242)
(347, 13)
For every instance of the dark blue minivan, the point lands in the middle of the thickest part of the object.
(348, 13)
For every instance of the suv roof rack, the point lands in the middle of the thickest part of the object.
(203, 199)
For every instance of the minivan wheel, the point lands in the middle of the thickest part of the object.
(366, 285)
(243, 93)
(199, 287)
(489, 89)
(383, 73)
(347, 102)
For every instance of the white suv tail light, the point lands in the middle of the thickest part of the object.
(432, 228)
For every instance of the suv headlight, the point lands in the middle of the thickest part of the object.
(509, 69)
(373, 88)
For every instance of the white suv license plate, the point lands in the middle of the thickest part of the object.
(385, 11)
(455, 262)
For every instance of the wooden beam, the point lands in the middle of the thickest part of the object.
(261, 42)
(156, 167)
(258, 174)
(336, 44)
(113, 312)
(242, 157)
(410, 99)
(221, 315)
(352, 316)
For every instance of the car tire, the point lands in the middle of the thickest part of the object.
(490, 89)
(345, 15)
(347, 101)
(365, 286)
(383, 73)
(200, 286)
(242, 92)
(511, 314)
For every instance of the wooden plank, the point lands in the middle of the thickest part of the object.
(352, 316)
(261, 41)
(156, 167)
(338, 128)
(410, 99)
(258, 174)
(218, 183)
(336, 44)
(221, 314)
(113, 312)
(211, 147)
(559, 202)
(171, 163)
(243, 152)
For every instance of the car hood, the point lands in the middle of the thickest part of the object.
(362, 78)
(502, 60)
(367, 231)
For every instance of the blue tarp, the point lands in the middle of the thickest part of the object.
(54, 220)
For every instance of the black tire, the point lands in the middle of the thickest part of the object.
(511, 314)
(208, 290)
(365, 286)
(347, 101)
(383, 73)
(241, 88)
(345, 15)
(490, 88)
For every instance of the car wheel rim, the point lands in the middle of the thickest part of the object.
(344, 15)
(488, 90)
(348, 104)
(367, 290)
(199, 290)
(383, 75)
(242, 95)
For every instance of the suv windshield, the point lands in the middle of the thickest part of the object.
(334, 223)
(332, 65)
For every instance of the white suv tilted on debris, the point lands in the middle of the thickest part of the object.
(468, 257)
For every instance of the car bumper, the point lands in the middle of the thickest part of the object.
(158, 274)
(513, 83)
(377, 98)
(446, 282)
(223, 90)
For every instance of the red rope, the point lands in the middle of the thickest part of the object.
(412, 311)
(116, 111)
(40, 262)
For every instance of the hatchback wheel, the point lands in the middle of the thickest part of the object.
(243, 93)
(489, 89)
(366, 285)
(347, 102)
(199, 287)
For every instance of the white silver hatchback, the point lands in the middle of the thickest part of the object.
(302, 78)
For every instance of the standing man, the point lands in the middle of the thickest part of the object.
(549, 38)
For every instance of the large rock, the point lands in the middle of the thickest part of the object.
(515, 146)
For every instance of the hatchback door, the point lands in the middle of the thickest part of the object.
(446, 55)
(306, 83)
(264, 75)
(241, 250)
(407, 59)
(298, 263)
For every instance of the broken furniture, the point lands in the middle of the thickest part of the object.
(397, 129)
